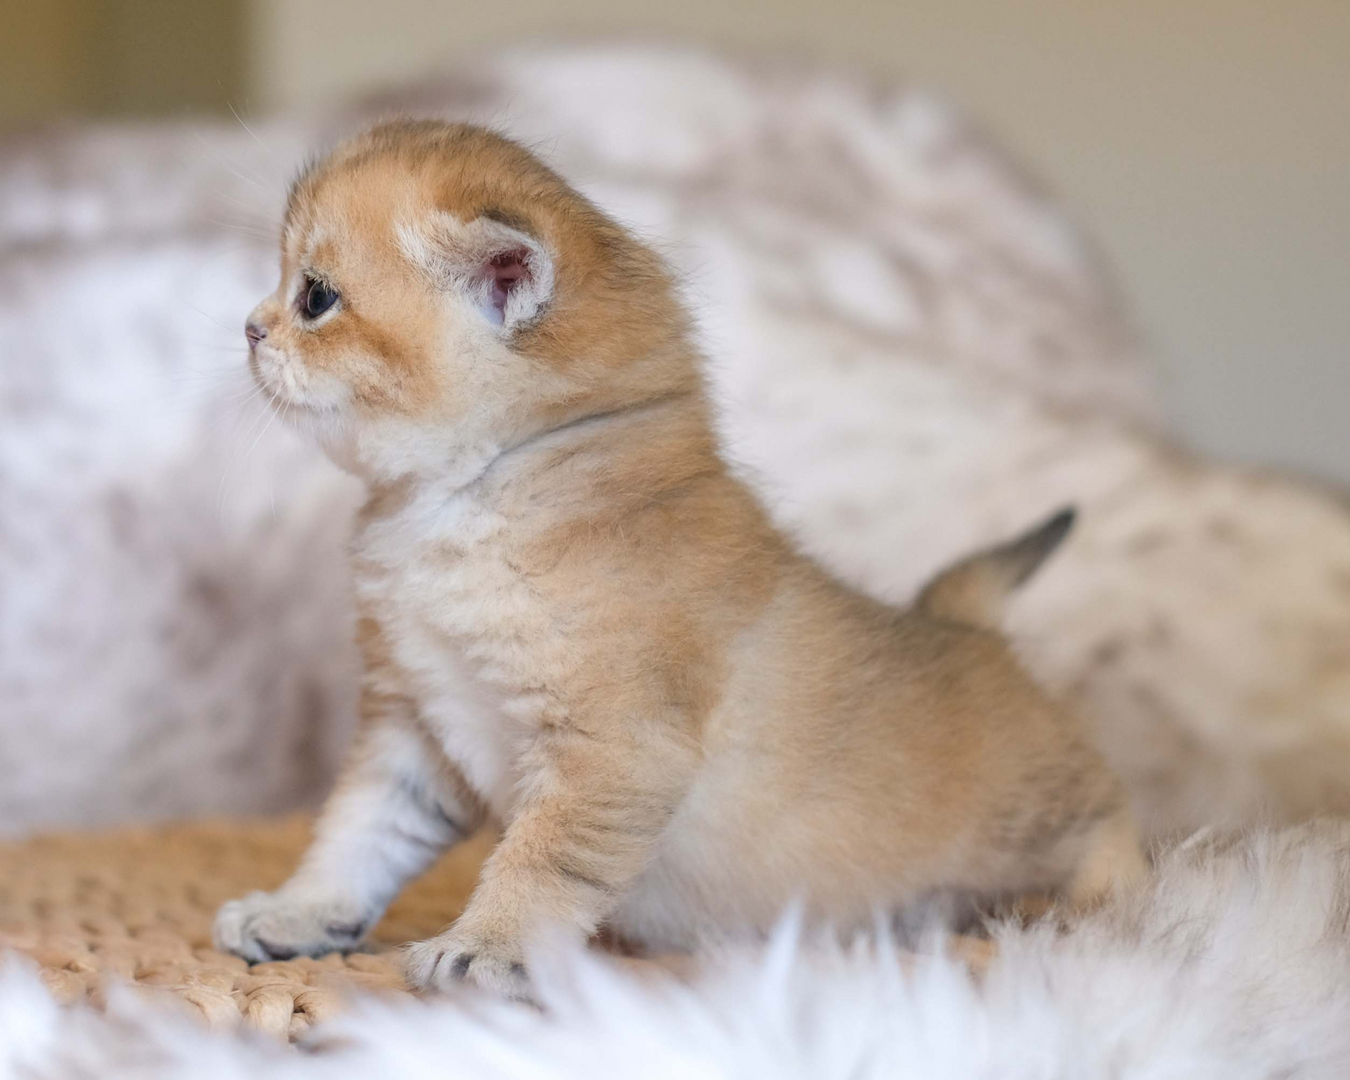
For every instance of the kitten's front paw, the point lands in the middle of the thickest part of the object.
(456, 957)
(273, 926)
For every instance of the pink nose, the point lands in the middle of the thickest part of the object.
(254, 333)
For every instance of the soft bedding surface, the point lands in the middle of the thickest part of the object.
(1231, 964)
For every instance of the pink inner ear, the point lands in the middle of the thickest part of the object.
(507, 269)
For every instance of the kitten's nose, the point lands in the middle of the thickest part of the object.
(254, 333)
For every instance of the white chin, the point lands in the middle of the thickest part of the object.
(266, 378)
(297, 406)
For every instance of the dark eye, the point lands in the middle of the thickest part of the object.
(317, 299)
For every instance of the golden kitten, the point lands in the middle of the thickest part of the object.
(578, 624)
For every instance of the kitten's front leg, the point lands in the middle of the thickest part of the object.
(591, 810)
(395, 809)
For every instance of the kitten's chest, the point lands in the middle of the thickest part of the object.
(455, 616)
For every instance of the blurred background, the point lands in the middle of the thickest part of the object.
(915, 352)
(1204, 143)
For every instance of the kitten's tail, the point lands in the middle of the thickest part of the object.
(974, 590)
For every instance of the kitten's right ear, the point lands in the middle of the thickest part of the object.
(506, 274)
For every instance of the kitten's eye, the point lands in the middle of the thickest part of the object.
(318, 298)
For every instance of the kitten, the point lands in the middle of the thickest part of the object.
(576, 623)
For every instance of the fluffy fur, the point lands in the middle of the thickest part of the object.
(577, 623)
(1230, 965)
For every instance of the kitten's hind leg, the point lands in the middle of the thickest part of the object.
(397, 806)
(1112, 863)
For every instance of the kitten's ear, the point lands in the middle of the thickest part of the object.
(506, 274)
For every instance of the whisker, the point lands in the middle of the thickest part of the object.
(264, 430)
(243, 397)
(189, 398)
(234, 457)
(235, 416)
(208, 315)
(263, 216)
(285, 415)
(257, 140)
(256, 182)
(210, 346)
(257, 417)
(249, 230)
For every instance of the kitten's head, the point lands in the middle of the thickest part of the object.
(445, 296)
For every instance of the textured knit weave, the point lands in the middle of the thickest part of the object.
(136, 906)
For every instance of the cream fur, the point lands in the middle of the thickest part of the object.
(681, 724)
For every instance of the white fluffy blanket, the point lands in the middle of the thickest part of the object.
(915, 355)
(1232, 966)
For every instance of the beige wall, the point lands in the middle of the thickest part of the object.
(1207, 142)
(119, 57)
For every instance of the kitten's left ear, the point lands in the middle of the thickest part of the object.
(506, 274)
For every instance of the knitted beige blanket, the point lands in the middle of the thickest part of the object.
(135, 906)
